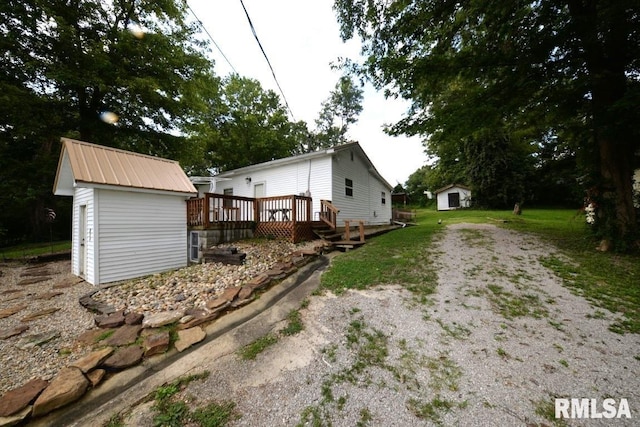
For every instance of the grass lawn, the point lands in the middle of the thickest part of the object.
(33, 249)
(608, 280)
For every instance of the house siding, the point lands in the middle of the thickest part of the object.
(367, 190)
(294, 178)
(139, 234)
(83, 196)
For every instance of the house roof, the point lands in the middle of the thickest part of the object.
(82, 164)
(305, 157)
(447, 187)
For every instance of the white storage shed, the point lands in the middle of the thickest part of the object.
(453, 196)
(129, 211)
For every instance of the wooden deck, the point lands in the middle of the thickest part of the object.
(283, 217)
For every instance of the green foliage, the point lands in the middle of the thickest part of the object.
(251, 351)
(247, 125)
(478, 73)
(64, 65)
(294, 323)
(338, 112)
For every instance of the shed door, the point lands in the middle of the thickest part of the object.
(82, 237)
(454, 200)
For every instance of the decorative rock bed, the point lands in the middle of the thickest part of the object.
(123, 337)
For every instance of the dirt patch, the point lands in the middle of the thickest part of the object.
(499, 340)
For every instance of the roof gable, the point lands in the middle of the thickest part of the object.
(447, 187)
(89, 165)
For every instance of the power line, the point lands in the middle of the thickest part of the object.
(253, 30)
(210, 38)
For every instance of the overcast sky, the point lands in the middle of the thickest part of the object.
(301, 39)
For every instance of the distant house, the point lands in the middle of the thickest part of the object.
(343, 175)
(453, 196)
(129, 215)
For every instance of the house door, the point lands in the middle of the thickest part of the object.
(454, 200)
(82, 237)
(258, 190)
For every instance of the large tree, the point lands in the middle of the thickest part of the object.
(516, 70)
(67, 63)
(248, 125)
(338, 112)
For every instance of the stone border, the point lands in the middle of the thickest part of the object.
(121, 349)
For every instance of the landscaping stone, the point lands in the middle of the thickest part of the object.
(94, 306)
(200, 316)
(259, 281)
(112, 320)
(39, 314)
(229, 294)
(48, 295)
(123, 358)
(67, 283)
(33, 280)
(17, 399)
(10, 332)
(36, 272)
(217, 305)
(156, 343)
(133, 318)
(92, 360)
(96, 376)
(189, 337)
(68, 386)
(16, 418)
(124, 335)
(161, 319)
(11, 311)
(37, 340)
(91, 336)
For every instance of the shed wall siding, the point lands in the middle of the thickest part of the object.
(83, 196)
(140, 234)
(366, 191)
(442, 199)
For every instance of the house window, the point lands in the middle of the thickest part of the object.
(351, 152)
(384, 198)
(348, 187)
(454, 200)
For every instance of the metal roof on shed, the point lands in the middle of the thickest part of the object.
(93, 165)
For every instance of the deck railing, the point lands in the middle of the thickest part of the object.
(216, 208)
(329, 213)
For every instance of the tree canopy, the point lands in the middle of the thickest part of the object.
(482, 74)
(71, 68)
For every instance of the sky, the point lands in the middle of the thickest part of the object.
(301, 39)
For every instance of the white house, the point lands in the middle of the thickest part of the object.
(343, 174)
(453, 196)
(129, 212)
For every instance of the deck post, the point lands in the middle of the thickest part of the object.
(361, 227)
(347, 232)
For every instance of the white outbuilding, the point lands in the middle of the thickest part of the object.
(129, 211)
(453, 196)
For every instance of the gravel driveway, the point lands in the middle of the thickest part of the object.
(500, 339)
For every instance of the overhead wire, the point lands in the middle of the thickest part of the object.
(273, 73)
(210, 37)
